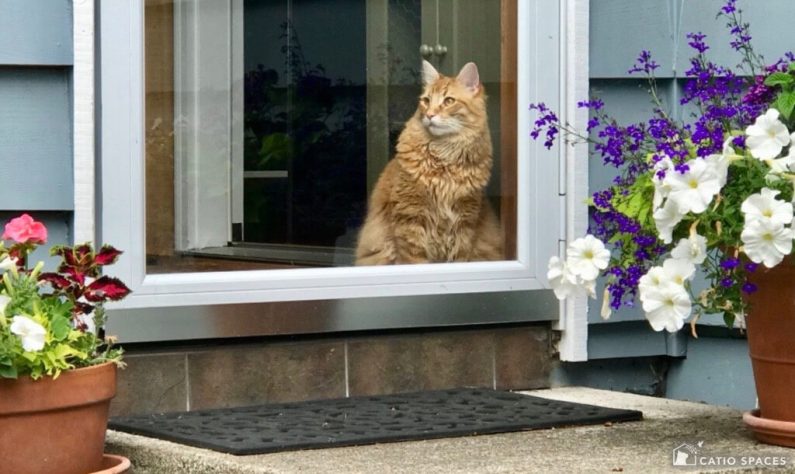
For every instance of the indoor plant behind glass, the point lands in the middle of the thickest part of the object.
(715, 194)
(57, 370)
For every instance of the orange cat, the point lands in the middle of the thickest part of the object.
(429, 203)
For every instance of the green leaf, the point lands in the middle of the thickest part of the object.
(779, 79)
(63, 351)
(785, 104)
(728, 318)
(8, 372)
(60, 328)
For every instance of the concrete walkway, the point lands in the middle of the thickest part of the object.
(644, 447)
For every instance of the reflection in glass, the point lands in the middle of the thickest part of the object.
(268, 122)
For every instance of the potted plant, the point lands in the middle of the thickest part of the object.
(715, 195)
(57, 369)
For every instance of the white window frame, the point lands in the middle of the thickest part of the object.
(552, 37)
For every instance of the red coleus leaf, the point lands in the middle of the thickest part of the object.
(83, 254)
(76, 275)
(106, 288)
(106, 255)
(82, 308)
(57, 281)
(65, 252)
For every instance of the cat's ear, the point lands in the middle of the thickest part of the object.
(429, 73)
(469, 77)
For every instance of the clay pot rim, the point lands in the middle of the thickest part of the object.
(116, 464)
(27, 379)
(757, 422)
(87, 386)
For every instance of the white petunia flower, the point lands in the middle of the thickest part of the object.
(785, 164)
(30, 332)
(767, 136)
(661, 188)
(667, 307)
(562, 280)
(586, 256)
(720, 162)
(666, 218)
(672, 272)
(588, 286)
(692, 249)
(766, 242)
(651, 281)
(764, 206)
(694, 190)
(678, 271)
(7, 264)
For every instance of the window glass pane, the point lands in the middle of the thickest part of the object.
(269, 123)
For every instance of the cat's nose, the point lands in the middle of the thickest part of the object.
(430, 115)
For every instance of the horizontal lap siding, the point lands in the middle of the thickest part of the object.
(35, 139)
(36, 149)
(621, 28)
(36, 32)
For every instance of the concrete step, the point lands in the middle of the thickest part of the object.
(646, 447)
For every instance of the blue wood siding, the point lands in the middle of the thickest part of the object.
(717, 370)
(36, 139)
(36, 32)
(621, 28)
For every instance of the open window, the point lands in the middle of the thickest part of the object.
(241, 140)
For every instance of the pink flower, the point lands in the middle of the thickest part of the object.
(24, 229)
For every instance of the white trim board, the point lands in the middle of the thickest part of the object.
(574, 313)
(83, 120)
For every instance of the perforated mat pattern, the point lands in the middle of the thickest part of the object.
(366, 420)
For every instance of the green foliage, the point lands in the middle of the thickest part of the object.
(784, 82)
(637, 203)
(55, 305)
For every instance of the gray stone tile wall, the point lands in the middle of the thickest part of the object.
(227, 375)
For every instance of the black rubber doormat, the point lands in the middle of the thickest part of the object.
(366, 420)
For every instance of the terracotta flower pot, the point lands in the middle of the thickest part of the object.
(49, 426)
(771, 344)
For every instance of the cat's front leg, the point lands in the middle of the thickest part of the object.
(409, 243)
(376, 257)
(376, 245)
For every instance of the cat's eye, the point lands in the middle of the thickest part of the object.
(448, 101)
(425, 101)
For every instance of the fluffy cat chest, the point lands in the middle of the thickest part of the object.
(438, 212)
